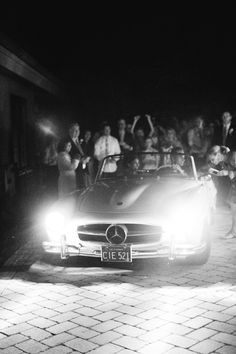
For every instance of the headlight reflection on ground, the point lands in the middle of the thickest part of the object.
(164, 304)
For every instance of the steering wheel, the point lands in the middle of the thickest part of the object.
(172, 167)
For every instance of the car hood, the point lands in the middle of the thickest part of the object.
(134, 196)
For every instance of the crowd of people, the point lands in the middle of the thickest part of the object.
(74, 160)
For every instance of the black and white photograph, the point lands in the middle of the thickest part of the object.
(117, 179)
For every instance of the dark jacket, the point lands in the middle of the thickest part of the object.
(230, 141)
(88, 148)
(128, 138)
(75, 149)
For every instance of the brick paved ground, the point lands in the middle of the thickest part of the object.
(151, 307)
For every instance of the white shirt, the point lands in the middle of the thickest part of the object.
(107, 145)
(226, 127)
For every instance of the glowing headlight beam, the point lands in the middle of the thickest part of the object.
(55, 223)
(187, 222)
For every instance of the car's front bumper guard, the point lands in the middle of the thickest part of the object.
(171, 251)
(64, 248)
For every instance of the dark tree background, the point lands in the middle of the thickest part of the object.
(115, 63)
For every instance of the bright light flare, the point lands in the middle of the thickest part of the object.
(187, 222)
(46, 130)
(47, 127)
(55, 224)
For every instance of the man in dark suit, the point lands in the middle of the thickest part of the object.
(225, 133)
(124, 137)
(74, 132)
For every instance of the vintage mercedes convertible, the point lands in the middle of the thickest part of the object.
(143, 205)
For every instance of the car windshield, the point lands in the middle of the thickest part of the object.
(147, 164)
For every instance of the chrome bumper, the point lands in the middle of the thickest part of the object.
(138, 251)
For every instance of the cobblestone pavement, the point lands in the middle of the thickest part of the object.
(150, 307)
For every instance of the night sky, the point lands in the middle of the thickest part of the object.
(115, 63)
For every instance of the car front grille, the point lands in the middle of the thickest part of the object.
(137, 233)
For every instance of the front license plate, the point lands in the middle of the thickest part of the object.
(116, 253)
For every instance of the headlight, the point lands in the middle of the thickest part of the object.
(187, 223)
(55, 224)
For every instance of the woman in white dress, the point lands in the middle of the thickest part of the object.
(66, 167)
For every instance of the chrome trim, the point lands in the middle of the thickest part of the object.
(64, 248)
(96, 233)
(116, 234)
(145, 251)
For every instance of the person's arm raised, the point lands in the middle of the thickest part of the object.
(136, 118)
(149, 119)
